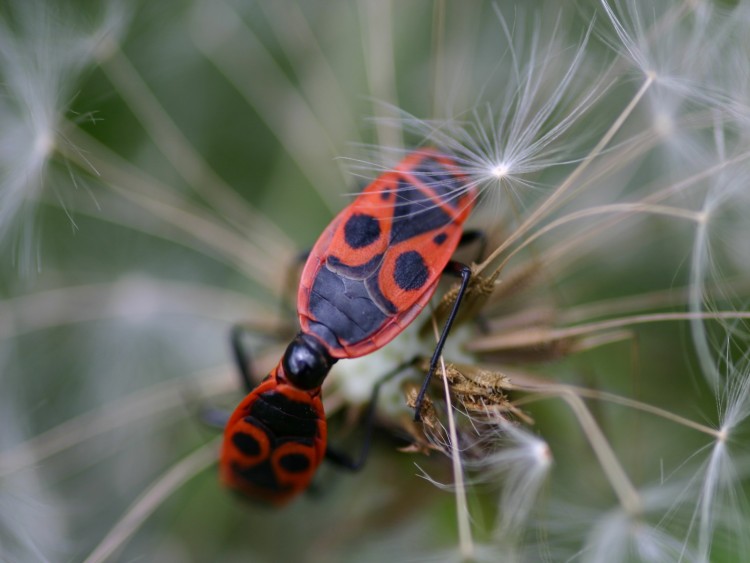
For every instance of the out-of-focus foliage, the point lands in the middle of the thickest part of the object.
(162, 164)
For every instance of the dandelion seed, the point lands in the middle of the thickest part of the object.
(499, 171)
(619, 537)
(511, 138)
(522, 462)
(674, 44)
(42, 56)
(721, 500)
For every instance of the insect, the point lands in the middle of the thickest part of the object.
(371, 272)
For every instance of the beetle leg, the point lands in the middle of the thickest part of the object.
(240, 352)
(464, 271)
(242, 357)
(344, 460)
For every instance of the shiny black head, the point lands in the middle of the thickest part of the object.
(306, 362)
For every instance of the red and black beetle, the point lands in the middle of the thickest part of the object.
(369, 275)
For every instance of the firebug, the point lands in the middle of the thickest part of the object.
(369, 275)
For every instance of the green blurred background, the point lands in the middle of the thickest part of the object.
(120, 277)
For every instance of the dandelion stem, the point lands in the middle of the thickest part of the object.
(556, 389)
(537, 335)
(466, 542)
(625, 208)
(438, 54)
(237, 52)
(573, 245)
(248, 255)
(380, 65)
(628, 495)
(137, 407)
(698, 330)
(65, 306)
(549, 203)
(715, 474)
(321, 90)
(152, 498)
(233, 248)
(185, 159)
(662, 298)
(462, 510)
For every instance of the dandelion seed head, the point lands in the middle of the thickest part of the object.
(105, 37)
(44, 51)
(664, 125)
(723, 435)
(672, 44)
(499, 171)
(519, 126)
(734, 399)
(703, 218)
(543, 455)
(44, 145)
(710, 502)
(720, 252)
(356, 378)
(618, 535)
(518, 459)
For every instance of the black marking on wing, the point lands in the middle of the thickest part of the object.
(361, 230)
(415, 213)
(260, 475)
(443, 182)
(295, 463)
(246, 443)
(411, 272)
(283, 420)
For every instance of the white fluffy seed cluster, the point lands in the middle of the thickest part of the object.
(161, 166)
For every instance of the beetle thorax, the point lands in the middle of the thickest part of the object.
(306, 362)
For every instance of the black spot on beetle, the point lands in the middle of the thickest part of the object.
(361, 230)
(439, 238)
(246, 443)
(411, 272)
(295, 463)
(260, 475)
